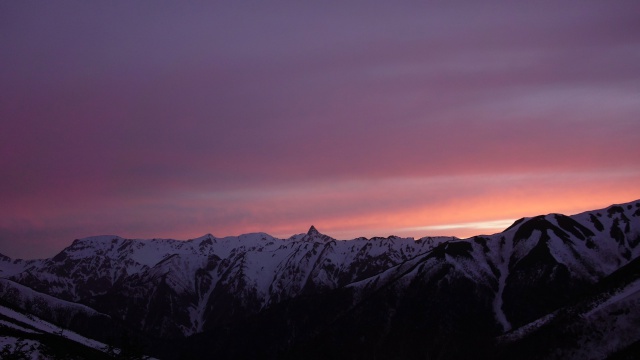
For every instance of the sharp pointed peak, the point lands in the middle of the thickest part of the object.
(313, 231)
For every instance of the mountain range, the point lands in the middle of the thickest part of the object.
(547, 287)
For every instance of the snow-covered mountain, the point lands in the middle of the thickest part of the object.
(39, 326)
(261, 297)
(175, 288)
(24, 335)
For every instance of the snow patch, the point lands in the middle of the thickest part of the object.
(503, 266)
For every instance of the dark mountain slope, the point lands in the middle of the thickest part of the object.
(311, 296)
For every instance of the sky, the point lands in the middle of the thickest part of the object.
(156, 119)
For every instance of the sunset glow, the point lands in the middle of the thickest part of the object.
(363, 119)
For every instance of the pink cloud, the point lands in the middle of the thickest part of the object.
(233, 118)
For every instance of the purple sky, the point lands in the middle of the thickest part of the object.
(168, 119)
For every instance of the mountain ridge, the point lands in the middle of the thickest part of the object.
(173, 289)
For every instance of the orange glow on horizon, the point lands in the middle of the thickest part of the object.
(490, 206)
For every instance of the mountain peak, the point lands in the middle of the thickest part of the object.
(313, 231)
